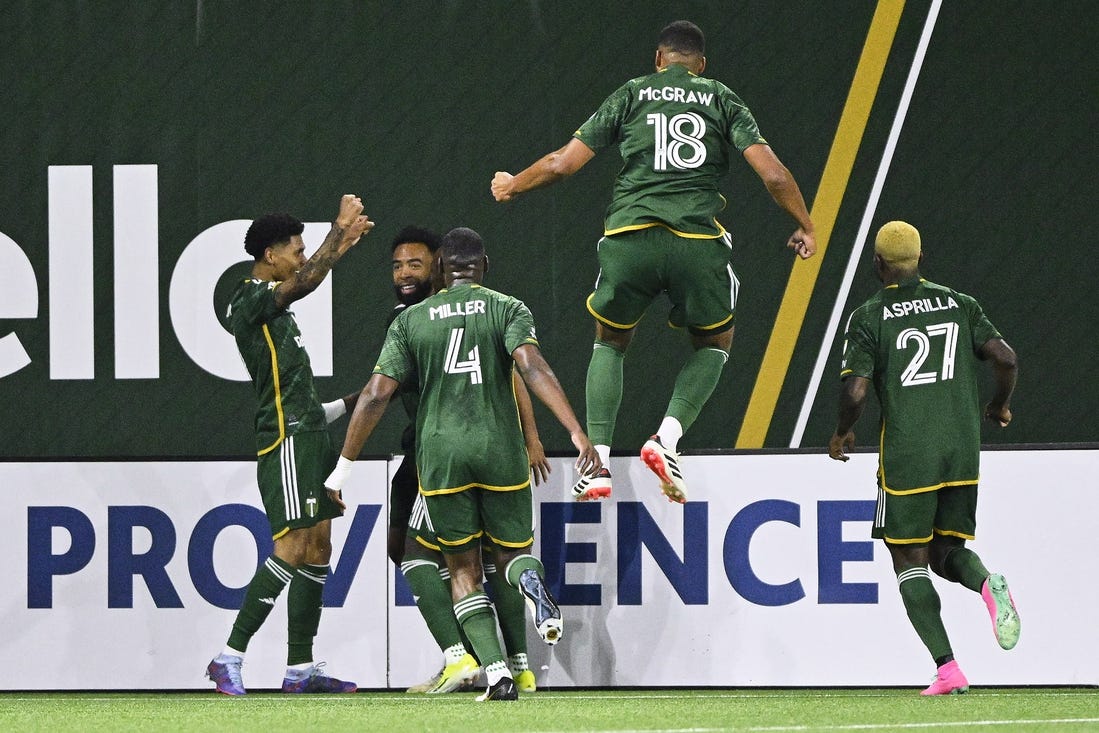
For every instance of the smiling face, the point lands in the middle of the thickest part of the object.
(412, 272)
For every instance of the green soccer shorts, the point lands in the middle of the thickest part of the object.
(291, 482)
(903, 519)
(420, 529)
(637, 266)
(464, 519)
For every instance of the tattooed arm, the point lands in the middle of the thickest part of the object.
(346, 231)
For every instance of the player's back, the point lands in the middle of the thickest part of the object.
(674, 130)
(460, 341)
(926, 377)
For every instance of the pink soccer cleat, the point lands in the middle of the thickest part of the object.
(948, 681)
(1001, 607)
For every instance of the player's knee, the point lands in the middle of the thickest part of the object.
(940, 550)
(396, 546)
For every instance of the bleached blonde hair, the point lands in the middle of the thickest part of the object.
(898, 243)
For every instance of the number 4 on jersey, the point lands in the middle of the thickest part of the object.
(472, 364)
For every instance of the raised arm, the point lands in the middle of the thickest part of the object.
(1006, 368)
(349, 227)
(852, 401)
(543, 382)
(548, 169)
(784, 190)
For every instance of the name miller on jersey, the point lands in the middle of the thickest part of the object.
(674, 94)
(922, 305)
(446, 310)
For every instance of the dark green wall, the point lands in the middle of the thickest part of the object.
(252, 107)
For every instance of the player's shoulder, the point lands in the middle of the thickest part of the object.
(723, 92)
(949, 292)
(250, 293)
(871, 305)
(254, 285)
(497, 296)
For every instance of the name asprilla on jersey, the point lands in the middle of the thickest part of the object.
(920, 305)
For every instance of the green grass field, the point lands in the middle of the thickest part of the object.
(688, 711)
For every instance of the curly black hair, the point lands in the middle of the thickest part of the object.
(269, 230)
(416, 234)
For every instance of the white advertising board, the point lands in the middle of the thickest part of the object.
(122, 575)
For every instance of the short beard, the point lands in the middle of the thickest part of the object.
(420, 293)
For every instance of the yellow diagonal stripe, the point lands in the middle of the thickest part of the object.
(833, 183)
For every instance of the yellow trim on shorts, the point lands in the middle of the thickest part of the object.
(607, 321)
(278, 392)
(470, 538)
(925, 489)
(486, 487)
(686, 235)
(934, 532)
(948, 533)
(916, 541)
(513, 545)
(427, 544)
(719, 324)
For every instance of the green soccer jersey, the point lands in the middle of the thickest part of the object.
(674, 130)
(919, 343)
(409, 389)
(458, 344)
(270, 344)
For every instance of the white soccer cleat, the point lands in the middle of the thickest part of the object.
(665, 464)
(592, 488)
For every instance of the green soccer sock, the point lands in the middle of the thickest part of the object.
(474, 613)
(924, 607)
(303, 612)
(603, 392)
(511, 608)
(266, 585)
(695, 383)
(963, 565)
(444, 573)
(520, 563)
(432, 595)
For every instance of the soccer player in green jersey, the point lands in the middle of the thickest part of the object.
(413, 251)
(674, 129)
(416, 552)
(463, 344)
(920, 345)
(294, 450)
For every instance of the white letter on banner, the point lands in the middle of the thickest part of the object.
(314, 311)
(72, 312)
(191, 298)
(20, 289)
(136, 275)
